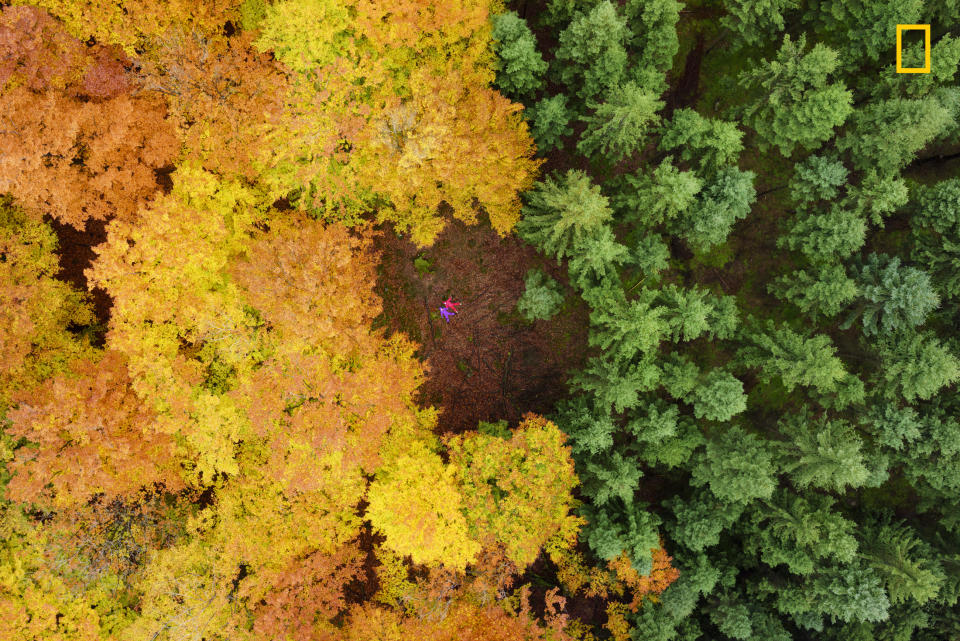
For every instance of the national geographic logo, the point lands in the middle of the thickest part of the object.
(926, 48)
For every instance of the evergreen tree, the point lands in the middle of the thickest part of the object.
(865, 25)
(725, 199)
(549, 122)
(887, 135)
(594, 265)
(877, 195)
(541, 298)
(562, 212)
(848, 592)
(690, 313)
(615, 383)
(738, 467)
(591, 57)
(651, 255)
(618, 126)
(799, 531)
(613, 529)
(700, 519)
(795, 103)
(817, 178)
(755, 21)
(608, 476)
(708, 143)
(648, 200)
(823, 290)
(521, 67)
(653, 24)
(718, 396)
(916, 364)
(906, 566)
(822, 453)
(795, 359)
(628, 329)
(936, 233)
(825, 237)
(892, 297)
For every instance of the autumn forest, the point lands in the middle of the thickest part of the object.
(479, 320)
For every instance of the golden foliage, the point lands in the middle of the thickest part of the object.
(37, 309)
(391, 111)
(90, 434)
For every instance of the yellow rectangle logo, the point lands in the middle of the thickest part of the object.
(926, 48)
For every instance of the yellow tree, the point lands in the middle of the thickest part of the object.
(129, 23)
(177, 316)
(415, 503)
(391, 110)
(37, 309)
(89, 434)
(219, 91)
(516, 491)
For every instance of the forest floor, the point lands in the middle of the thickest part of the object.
(487, 363)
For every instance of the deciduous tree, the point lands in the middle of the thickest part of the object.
(515, 491)
(39, 309)
(89, 434)
(77, 160)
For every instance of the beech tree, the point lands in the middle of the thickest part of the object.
(397, 144)
(36, 344)
(89, 434)
(416, 503)
(80, 160)
(219, 90)
(130, 24)
(517, 490)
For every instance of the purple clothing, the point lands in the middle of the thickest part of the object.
(446, 313)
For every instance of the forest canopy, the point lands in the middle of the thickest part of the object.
(556, 320)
